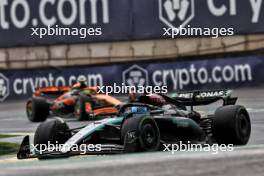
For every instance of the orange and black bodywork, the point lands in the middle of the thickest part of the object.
(81, 103)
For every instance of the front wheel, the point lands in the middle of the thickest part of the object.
(231, 125)
(54, 131)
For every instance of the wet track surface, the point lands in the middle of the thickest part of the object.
(248, 160)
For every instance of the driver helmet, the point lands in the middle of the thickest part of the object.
(81, 83)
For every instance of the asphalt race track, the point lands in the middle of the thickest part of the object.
(247, 160)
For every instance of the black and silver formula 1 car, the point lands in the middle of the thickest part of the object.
(142, 126)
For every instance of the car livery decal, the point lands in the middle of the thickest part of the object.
(88, 130)
(203, 94)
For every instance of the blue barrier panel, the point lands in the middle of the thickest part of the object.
(207, 73)
(120, 19)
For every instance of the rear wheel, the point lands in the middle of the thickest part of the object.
(83, 104)
(140, 133)
(231, 125)
(37, 109)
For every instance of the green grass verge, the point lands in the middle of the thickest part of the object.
(7, 136)
(8, 148)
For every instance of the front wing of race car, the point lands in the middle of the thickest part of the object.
(26, 151)
(29, 150)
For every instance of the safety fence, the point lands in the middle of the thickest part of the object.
(209, 73)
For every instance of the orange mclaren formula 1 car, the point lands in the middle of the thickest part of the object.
(78, 101)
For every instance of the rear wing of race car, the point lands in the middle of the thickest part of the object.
(197, 98)
(51, 90)
(57, 90)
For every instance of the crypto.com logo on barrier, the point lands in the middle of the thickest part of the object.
(4, 87)
(135, 76)
(175, 13)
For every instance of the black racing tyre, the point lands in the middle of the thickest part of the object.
(140, 133)
(231, 125)
(37, 109)
(54, 131)
(80, 109)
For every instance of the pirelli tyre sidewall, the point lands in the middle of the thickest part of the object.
(37, 109)
(140, 133)
(231, 125)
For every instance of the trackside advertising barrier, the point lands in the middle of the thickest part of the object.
(41, 22)
(177, 76)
